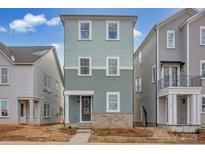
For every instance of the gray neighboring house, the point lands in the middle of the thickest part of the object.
(170, 72)
(98, 70)
(31, 85)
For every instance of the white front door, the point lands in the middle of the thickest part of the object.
(22, 112)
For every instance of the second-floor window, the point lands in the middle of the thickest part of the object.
(112, 64)
(46, 83)
(202, 35)
(112, 30)
(136, 85)
(56, 88)
(170, 39)
(202, 68)
(153, 73)
(84, 66)
(203, 104)
(140, 58)
(85, 32)
(4, 75)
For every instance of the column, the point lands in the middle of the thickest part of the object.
(188, 109)
(169, 109)
(198, 110)
(174, 109)
(31, 111)
(193, 110)
(158, 110)
(66, 109)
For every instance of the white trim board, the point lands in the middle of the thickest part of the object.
(79, 92)
(99, 67)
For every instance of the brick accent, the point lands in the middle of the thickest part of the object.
(112, 120)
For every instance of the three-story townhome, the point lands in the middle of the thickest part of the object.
(98, 70)
(31, 85)
(169, 73)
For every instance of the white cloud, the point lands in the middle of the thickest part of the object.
(137, 33)
(30, 22)
(56, 45)
(2, 29)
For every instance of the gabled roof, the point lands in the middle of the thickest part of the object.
(24, 54)
(161, 23)
(193, 18)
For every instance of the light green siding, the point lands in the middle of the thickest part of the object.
(102, 84)
(98, 48)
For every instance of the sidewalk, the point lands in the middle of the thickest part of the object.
(80, 138)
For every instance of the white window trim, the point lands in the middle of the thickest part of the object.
(7, 108)
(170, 31)
(201, 28)
(90, 30)
(8, 75)
(107, 101)
(140, 84)
(201, 62)
(153, 67)
(90, 68)
(118, 66)
(118, 30)
(202, 103)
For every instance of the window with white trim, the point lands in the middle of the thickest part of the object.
(56, 88)
(113, 102)
(202, 68)
(84, 66)
(153, 73)
(140, 84)
(46, 110)
(170, 39)
(140, 58)
(85, 29)
(203, 104)
(4, 75)
(136, 85)
(202, 35)
(112, 64)
(4, 107)
(112, 30)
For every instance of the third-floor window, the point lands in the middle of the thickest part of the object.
(112, 30)
(202, 35)
(170, 39)
(85, 30)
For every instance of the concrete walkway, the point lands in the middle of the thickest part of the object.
(81, 137)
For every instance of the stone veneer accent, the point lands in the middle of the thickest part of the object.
(112, 120)
(181, 128)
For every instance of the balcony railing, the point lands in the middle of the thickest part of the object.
(180, 81)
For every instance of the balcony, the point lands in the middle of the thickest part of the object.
(179, 81)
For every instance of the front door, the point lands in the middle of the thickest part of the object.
(86, 108)
(183, 111)
(22, 113)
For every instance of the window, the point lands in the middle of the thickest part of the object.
(113, 102)
(153, 73)
(202, 35)
(170, 39)
(136, 84)
(46, 83)
(202, 68)
(112, 30)
(140, 84)
(140, 58)
(84, 66)
(203, 104)
(85, 30)
(4, 107)
(56, 88)
(4, 75)
(46, 110)
(112, 64)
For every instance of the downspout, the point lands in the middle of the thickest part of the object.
(157, 74)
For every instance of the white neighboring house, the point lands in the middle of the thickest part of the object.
(31, 85)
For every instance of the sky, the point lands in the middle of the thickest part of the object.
(43, 26)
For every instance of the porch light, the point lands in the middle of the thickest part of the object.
(78, 99)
